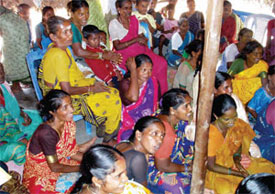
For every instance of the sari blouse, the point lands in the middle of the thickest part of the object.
(38, 177)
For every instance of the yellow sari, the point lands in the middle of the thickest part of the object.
(247, 82)
(239, 135)
(59, 66)
(132, 187)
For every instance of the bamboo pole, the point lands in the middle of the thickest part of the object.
(210, 59)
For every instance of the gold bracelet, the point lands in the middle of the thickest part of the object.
(51, 159)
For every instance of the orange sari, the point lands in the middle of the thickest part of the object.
(38, 177)
(224, 148)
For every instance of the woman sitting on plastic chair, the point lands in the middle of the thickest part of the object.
(98, 104)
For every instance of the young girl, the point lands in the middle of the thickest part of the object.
(186, 72)
(170, 26)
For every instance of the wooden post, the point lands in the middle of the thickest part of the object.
(210, 59)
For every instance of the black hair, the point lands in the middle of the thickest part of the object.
(172, 98)
(220, 78)
(140, 59)
(221, 104)
(74, 5)
(88, 30)
(242, 32)
(53, 23)
(102, 31)
(98, 161)
(257, 184)
(227, 3)
(249, 48)
(142, 124)
(22, 6)
(138, 1)
(271, 70)
(194, 46)
(50, 103)
(119, 3)
(200, 32)
(46, 9)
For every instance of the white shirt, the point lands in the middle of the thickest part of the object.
(117, 30)
(176, 41)
(231, 52)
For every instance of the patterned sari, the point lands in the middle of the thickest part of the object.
(159, 63)
(265, 135)
(38, 177)
(247, 82)
(174, 183)
(102, 109)
(239, 135)
(12, 129)
(146, 105)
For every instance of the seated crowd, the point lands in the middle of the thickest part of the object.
(147, 124)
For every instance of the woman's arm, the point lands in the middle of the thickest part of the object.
(55, 166)
(122, 45)
(108, 55)
(166, 165)
(132, 94)
(212, 166)
(96, 88)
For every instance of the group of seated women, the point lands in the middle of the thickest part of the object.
(149, 124)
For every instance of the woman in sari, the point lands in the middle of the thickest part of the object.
(129, 41)
(263, 96)
(178, 43)
(139, 94)
(16, 125)
(186, 72)
(79, 11)
(145, 140)
(52, 149)
(229, 142)
(195, 18)
(170, 169)
(223, 85)
(265, 132)
(249, 71)
(103, 170)
(98, 104)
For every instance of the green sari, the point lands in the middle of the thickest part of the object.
(12, 129)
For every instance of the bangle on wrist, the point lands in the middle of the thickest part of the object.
(229, 171)
(89, 89)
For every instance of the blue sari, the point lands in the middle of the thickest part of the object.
(265, 136)
(12, 129)
(258, 103)
(176, 183)
(172, 59)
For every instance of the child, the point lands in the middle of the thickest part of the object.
(170, 26)
(103, 69)
(103, 39)
(159, 23)
(147, 21)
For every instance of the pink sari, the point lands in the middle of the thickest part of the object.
(159, 63)
(145, 106)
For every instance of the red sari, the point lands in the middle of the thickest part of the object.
(159, 63)
(38, 177)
